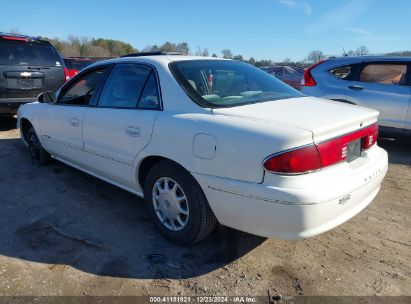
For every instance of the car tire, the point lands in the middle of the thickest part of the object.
(39, 156)
(177, 204)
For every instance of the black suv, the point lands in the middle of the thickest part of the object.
(28, 66)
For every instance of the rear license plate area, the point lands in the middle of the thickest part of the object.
(354, 150)
(25, 83)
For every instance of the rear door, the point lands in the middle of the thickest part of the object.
(28, 68)
(383, 86)
(120, 124)
(63, 121)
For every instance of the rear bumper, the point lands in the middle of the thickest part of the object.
(302, 211)
(10, 105)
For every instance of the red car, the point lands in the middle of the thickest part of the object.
(289, 75)
(75, 65)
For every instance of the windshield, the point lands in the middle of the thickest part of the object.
(226, 83)
(75, 64)
(28, 53)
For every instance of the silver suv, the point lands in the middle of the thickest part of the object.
(381, 83)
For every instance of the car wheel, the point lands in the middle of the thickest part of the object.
(177, 204)
(39, 156)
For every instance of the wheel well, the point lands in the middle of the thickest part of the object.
(25, 126)
(146, 166)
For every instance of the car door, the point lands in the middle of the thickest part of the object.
(120, 123)
(62, 121)
(382, 86)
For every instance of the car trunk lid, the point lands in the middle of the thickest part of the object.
(324, 118)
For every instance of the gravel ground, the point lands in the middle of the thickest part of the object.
(66, 233)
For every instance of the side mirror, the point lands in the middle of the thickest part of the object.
(47, 97)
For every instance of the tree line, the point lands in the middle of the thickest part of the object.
(75, 46)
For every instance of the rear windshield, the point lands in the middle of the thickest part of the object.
(74, 64)
(28, 53)
(226, 83)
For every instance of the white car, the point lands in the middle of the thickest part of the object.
(206, 140)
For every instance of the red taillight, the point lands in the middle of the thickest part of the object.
(308, 79)
(320, 155)
(371, 138)
(7, 37)
(295, 161)
(67, 74)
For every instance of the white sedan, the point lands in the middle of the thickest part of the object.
(206, 140)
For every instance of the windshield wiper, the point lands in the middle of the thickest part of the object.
(38, 68)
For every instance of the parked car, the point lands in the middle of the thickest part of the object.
(76, 64)
(28, 66)
(378, 82)
(206, 140)
(289, 75)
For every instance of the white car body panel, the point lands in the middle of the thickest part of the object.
(114, 143)
(63, 125)
(224, 150)
(324, 118)
(296, 207)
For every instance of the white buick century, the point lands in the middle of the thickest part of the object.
(206, 140)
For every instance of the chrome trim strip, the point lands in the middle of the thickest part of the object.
(258, 197)
(377, 173)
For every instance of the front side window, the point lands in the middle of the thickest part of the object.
(130, 85)
(384, 73)
(226, 83)
(82, 90)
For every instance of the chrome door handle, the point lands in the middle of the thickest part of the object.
(356, 87)
(74, 122)
(133, 131)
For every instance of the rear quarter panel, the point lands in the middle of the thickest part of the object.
(329, 86)
(241, 144)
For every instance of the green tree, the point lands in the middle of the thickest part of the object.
(238, 57)
(168, 47)
(182, 47)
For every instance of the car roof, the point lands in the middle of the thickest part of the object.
(369, 58)
(156, 59)
(6, 36)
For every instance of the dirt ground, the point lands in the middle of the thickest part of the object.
(66, 233)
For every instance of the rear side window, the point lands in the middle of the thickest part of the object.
(384, 73)
(81, 92)
(150, 98)
(130, 85)
(28, 53)
(344, 72)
